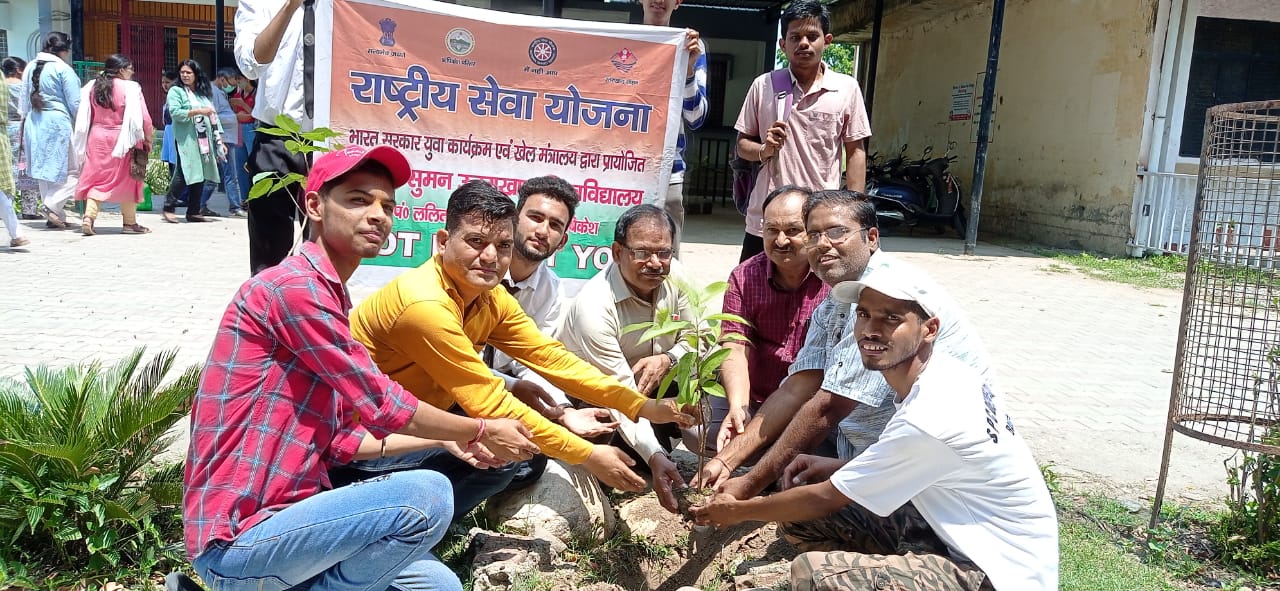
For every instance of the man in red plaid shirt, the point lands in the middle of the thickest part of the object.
(287, 393)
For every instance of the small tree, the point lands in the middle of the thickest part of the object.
(697, 372)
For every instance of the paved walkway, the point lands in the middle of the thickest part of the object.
(1087, 363)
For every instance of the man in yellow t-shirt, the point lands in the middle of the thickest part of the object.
(426, 330)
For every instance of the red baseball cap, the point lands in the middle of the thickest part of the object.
(332, 165)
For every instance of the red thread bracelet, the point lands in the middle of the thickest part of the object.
(479, 434)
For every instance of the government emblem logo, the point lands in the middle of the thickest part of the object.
(459, 42)
(388, 27)
(542, 51)
(624, 60)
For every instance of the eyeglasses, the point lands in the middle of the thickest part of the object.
(836, 235)
(643, 254)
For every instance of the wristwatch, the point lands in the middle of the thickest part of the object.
(672, 357)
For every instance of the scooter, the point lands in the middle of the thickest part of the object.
(917, 193)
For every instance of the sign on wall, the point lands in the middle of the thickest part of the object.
(468, 93)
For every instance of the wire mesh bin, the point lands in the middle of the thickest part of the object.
(1226, 386)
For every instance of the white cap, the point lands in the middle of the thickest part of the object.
(895, 284)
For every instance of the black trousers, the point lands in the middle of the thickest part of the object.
(272, 216)
(752, 245)
(180, 192)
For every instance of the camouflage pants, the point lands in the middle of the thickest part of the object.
(851, 571)
(857, 549)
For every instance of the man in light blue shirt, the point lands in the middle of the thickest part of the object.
(828, 387)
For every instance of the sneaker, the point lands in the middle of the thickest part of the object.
(210, 213)
(239, 213)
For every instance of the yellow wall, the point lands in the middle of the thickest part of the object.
(1071, 89)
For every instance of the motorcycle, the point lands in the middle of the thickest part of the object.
(916, 193)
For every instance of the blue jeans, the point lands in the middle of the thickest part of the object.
(230, 182)
(470, 486)
(248, 135)
(369, 536)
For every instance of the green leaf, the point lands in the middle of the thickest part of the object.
(319, 134)
(658, 331)
(276, 131)
(287, 123)
(294, 177)
(666, 383)
(734, 337)
(630, 328)
(684, 368)
(715, 389)
(260, 188)
(713, 362)
(293, 145)
(726, 317)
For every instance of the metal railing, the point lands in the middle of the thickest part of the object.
(1163, 206)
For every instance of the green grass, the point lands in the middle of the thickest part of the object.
(1090, 561)
(1162, 271)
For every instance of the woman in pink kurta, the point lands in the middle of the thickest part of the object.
(119, 121)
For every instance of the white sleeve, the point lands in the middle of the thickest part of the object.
(638, 434)
(895, 469)
(250, 21)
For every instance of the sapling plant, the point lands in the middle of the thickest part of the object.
(696, 373)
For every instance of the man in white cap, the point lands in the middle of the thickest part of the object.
(950, 450)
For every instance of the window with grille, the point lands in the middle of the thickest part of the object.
(171, 48)
(4, 42)
(1232, 61)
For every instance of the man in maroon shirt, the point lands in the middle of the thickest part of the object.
(776, 292)
(287, 393)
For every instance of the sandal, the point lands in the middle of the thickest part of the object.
(136, 229)
(19, 242)
(169, 217)
(52, 222)
(86, 226)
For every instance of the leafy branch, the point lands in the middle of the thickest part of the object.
(298, 142)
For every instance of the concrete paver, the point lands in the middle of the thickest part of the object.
(1087, 364)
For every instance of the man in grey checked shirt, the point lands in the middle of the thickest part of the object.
(827, 382)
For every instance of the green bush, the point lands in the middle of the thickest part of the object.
(1249, 532)
(81, 496)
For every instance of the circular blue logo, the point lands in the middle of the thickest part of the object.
(542, 51)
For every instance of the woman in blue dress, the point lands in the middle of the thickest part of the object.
(51, 101)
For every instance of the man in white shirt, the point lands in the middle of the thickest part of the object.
(828, 387)
(272, 46)
(634, 288)
(951, 450)
(543, 212)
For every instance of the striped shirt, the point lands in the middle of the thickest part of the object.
(695, 110)
(267, 424)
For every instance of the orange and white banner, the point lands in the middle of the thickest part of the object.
(468, 93)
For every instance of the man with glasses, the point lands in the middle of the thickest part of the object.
(427, 327)
(776, 293)
(632, 289)
(828, 389)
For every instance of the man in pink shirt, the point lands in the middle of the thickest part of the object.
(797, 131)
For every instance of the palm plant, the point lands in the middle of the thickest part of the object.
(81, 497)
(697, 372)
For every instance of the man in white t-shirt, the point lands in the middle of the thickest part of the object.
(950, 450)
